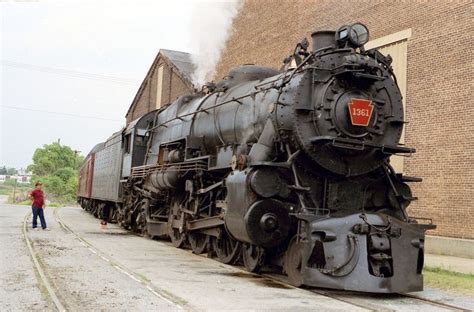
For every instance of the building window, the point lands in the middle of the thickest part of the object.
(159, 86)
(396, 45)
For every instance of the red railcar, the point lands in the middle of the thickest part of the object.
(86, 173)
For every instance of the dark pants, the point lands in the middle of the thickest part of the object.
(38, 212)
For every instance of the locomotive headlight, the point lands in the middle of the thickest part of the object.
(356, 35)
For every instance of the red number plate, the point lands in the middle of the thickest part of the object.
(360, 111)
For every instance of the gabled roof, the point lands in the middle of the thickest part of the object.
(182, 60)
(181, 63)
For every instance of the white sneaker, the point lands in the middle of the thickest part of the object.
(46, 229)
(36, 229)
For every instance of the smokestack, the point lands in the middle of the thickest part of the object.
(323, 39)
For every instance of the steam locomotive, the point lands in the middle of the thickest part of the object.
(286, 168)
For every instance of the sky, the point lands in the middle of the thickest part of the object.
(70, 69)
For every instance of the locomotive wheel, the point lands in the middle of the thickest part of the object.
(253, 257)
(178, 237)
(198, 242)
(114, 217)
(227, 249)
(294, 262)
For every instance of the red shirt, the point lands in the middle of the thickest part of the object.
(38, 198)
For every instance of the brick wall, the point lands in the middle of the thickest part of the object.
(172, 88)
(440, 110)
(179, 88)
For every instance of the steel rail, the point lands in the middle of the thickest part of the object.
(336, 295)
(39, 268)
(344, 296)
(434, 302)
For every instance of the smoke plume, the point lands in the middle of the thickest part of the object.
(211, 26)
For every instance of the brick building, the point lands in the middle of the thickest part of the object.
(168, 78)
(430, 42)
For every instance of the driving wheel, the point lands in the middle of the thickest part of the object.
(253, 257)
(227, 249)
(198, 242)
(175, 224)
(294, 262)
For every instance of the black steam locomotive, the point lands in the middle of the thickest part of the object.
(284, 168)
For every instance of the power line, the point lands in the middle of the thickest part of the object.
(58, 113)
(71, 73)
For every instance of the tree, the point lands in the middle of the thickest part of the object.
(8, 171)
(52, 157)
(65, 173)
(56, 165)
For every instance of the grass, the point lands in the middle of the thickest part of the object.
(449, 280)
(24, 202)
(21, 194)
(4, 191)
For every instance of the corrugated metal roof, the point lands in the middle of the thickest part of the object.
(181, 60)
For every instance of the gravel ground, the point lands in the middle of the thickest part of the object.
(3, 199)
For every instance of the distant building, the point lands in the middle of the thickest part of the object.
(20, 178)
(168, 78)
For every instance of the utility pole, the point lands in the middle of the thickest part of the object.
(76, 152)
(14, 191)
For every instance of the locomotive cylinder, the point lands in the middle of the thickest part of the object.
(263, 222)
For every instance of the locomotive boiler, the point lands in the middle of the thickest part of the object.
(286, 168)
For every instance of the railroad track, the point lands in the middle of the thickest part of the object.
(360, 300)
(157, 292)
(58, 299)
(40, 269)
(370, 302)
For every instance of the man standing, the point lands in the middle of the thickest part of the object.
(38, 205)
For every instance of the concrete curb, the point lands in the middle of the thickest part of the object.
(455, 247)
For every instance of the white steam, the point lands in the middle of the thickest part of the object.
(211, 26)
